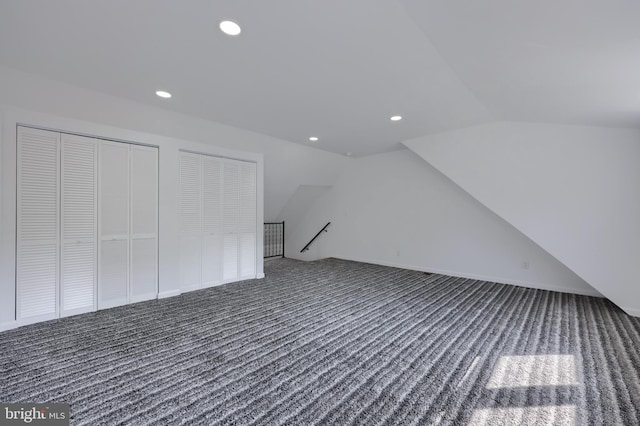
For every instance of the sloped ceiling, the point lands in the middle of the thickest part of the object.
(573, 190)
(339, 69)
(566, 62)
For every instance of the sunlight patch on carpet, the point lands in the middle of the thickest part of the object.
(533, 370)
(563, 415)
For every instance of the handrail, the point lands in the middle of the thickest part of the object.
(324, 228)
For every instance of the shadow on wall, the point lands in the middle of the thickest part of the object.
(294, 212)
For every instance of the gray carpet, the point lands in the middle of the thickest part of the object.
(336, 342)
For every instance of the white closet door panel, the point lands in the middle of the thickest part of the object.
(144, 225)
(247, 255)
(218, 220)
(79, 224)
(37, 185)
(212, 221)
(190, 221)
(37, 273)
(78, 277)
(212, 195)
(114, 270)
(144, 190)
(212, 257)
(143, 269)
(190, 262)
(37, 256)
(230, 263)
(231, 199)
(247, 198)
(190, 193)
(78, 159)
(114, 189)
(113, 182)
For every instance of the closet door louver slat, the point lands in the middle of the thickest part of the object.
(212, 237)
(247, 220)
(87, 224)
(190, 221)
(231, 204)
(79, 224)
(218, 209)
(37, 256)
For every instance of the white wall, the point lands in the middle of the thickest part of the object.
(31, 100)
(378, 205)
(169, 214)
(573, 190)
(395, 209)
(287, 165)
(300, 203)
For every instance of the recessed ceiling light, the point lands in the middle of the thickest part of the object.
(396, 118)
(348, 154)
(163, 94)
(230, 28)
(313, 138)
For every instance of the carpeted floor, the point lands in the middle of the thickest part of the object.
(336, 342)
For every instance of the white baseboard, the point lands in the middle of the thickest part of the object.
(113, 304)
(259, 276)
(78, 311)
(9, 325)
(631, 311)
(143, 298)
(170, 293)
(27, 321)
(539, 286)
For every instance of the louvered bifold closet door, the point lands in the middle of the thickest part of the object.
(78, 225)
(190, 221)
(144, 224)
(37, 224)
(212, 237)
(113, 224)
(231, 204)
(247, 221)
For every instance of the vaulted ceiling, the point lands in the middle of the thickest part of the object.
(339, 69)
